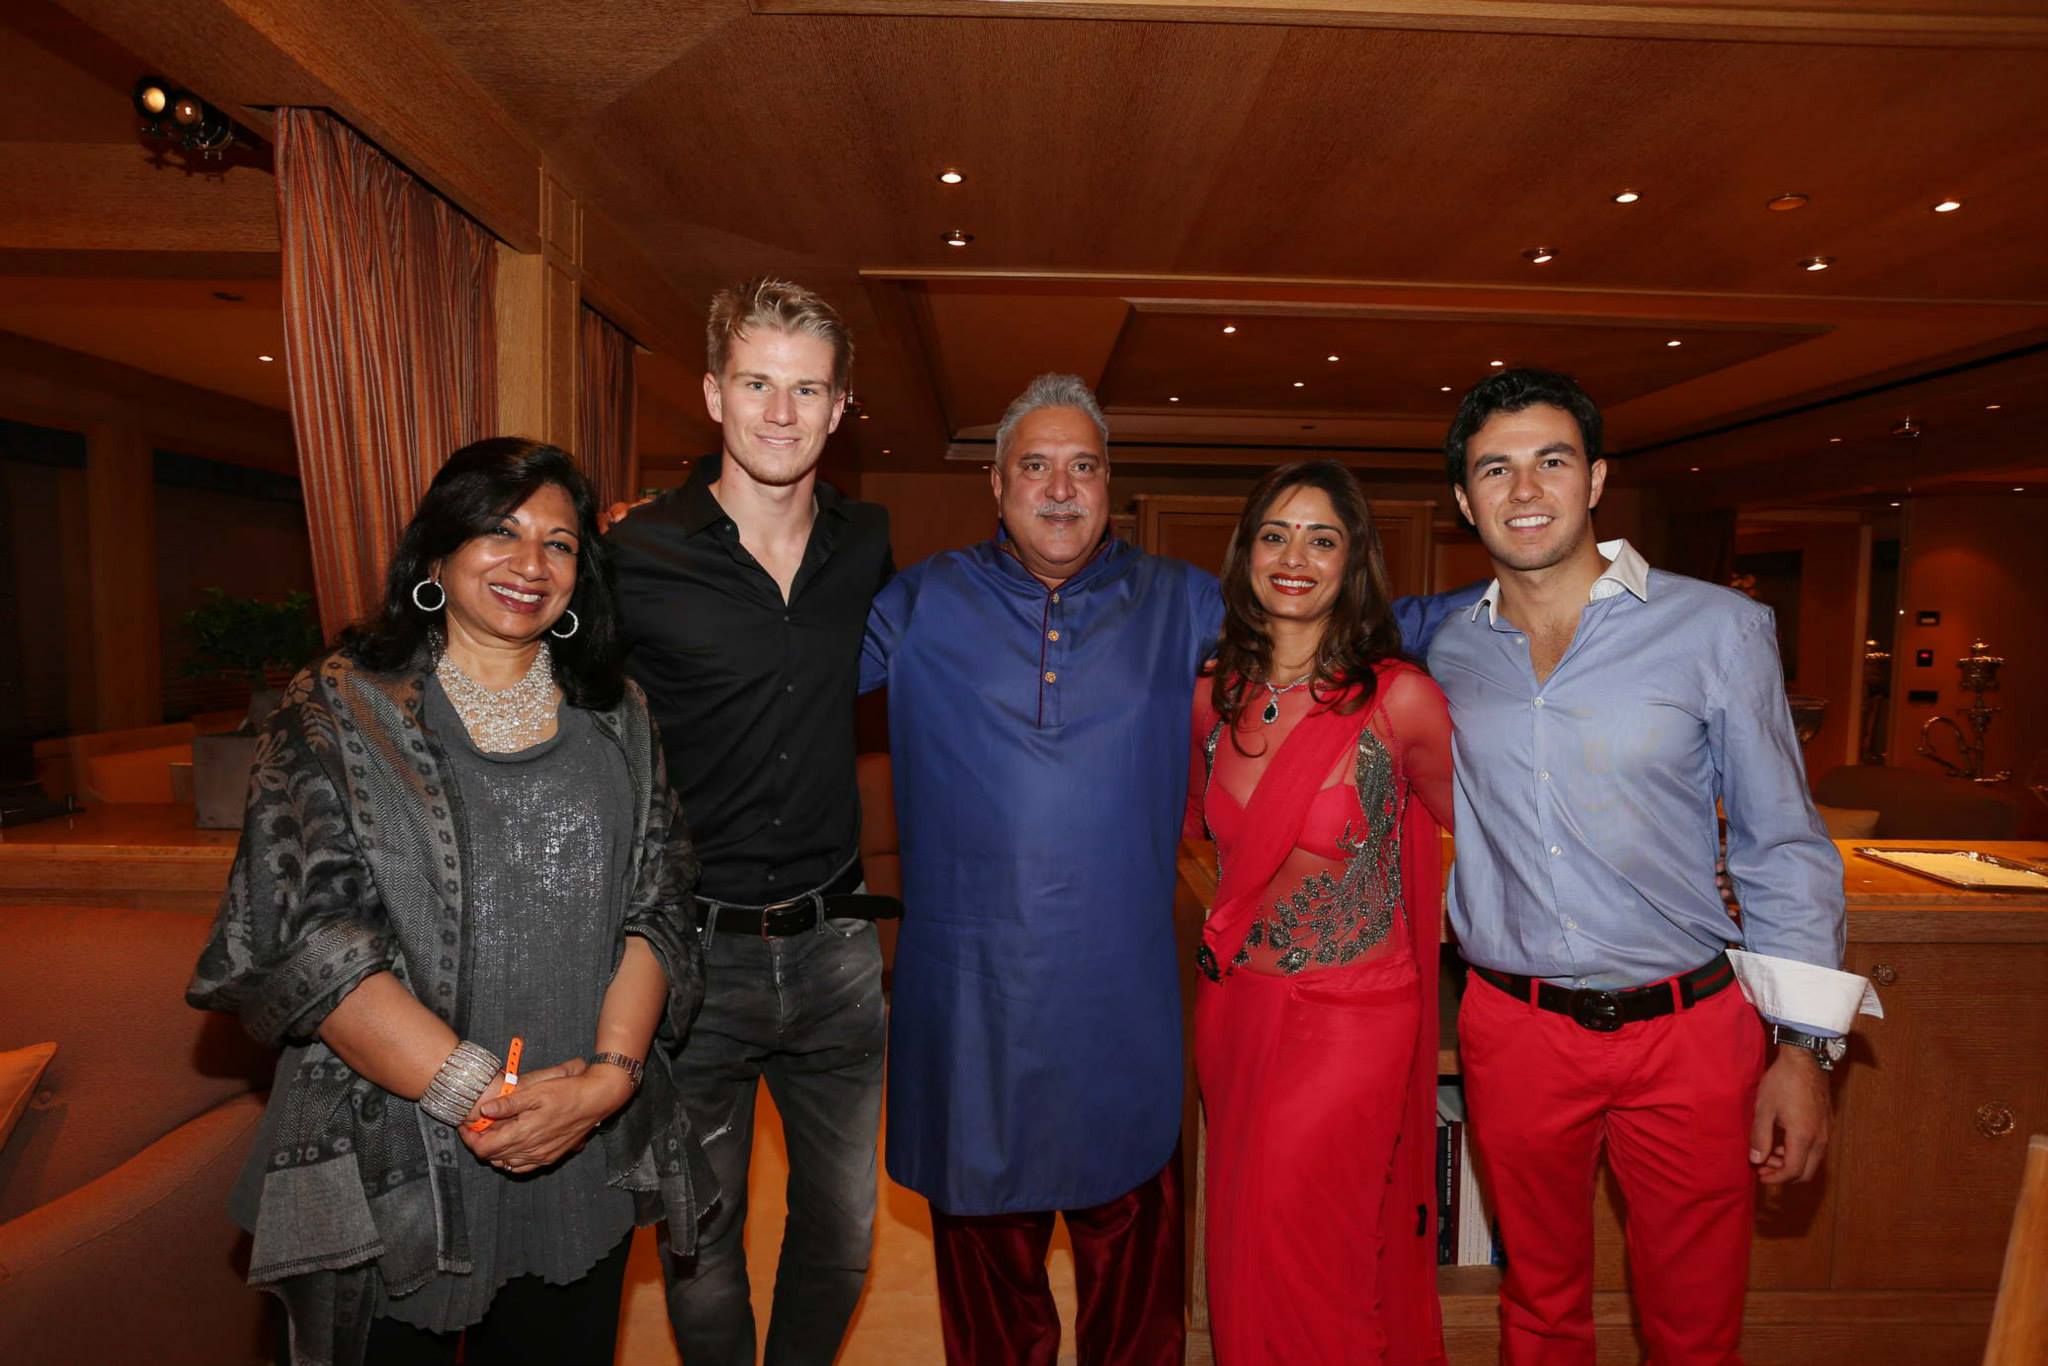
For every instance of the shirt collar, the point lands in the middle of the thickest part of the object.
(698, 508)
(1626, 571)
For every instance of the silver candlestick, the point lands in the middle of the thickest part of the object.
(1979, 670)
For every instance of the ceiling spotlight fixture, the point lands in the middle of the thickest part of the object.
(1300, 384)
(1445, 389)
(1627, 197)
(1173, 398)
(266, 359)
(1229, 329)
(1496, 364)
(1537, 256)
(1815, 262)
(1907, 430)
(1948, 206)
(1785, 203)
(182, 117)
(864, 417)
(1895, 504)
(1674, 342)
(1834, 441)
(949, 176)
(957, 238)
(885, 450)
(1993, 407)
(1695, 469)
(1331, 359)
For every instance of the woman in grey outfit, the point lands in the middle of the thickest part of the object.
(460, 830)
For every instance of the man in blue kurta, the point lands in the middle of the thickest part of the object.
(1039, 694)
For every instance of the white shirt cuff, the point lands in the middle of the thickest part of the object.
(1786, 989)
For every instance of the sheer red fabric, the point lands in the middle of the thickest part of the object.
(1314, 1028)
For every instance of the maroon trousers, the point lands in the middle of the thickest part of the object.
(996, 1305)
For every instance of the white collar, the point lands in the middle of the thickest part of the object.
(1626, 570)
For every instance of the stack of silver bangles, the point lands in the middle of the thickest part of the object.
(460, 1083)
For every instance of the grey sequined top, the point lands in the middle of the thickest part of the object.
(549, 830)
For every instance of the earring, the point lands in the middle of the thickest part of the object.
(574, 625)
(439, 602)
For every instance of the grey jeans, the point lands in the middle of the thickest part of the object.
(806, 1012)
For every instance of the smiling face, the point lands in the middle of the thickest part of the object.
(1298, 556)
(513, 582)
(776, 403)
(1529, 489)
(1052, 491)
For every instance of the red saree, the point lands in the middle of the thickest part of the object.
(1315, 1028)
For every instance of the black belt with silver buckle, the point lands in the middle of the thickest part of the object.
(1603, 1012)
(836, 900)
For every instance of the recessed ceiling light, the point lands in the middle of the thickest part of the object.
(1815, 262)
(266, 359)
(1992, 407)
(1785, 203)
(1695, 469)
(1627, 197)
(949, 176)
(1895, 504)
(885, 450)
(1948, 206)
(1332, 359)
(1300, 384)
(1539, 255)
(1834, 441)
(1496, 364)
(1674, 342)
(2019, 488)
(1229, 329)
(1173, 398)
(1445, 390)
(864, 417)
(957, 238)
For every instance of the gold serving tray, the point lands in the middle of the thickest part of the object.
(1957, 871)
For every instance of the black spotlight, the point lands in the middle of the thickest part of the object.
(153, 102)
(182, 117)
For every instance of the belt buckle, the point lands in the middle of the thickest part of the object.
(791, 905)
(1599, 1011)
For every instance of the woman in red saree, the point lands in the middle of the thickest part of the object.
(1322, 768)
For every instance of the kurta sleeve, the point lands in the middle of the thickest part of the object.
(888, 619)
(657, 908)
(301, 923)
(1418, 722)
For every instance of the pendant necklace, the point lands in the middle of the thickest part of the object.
(503, 720)
(1272, 711)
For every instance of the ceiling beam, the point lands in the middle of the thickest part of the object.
(1924, 23)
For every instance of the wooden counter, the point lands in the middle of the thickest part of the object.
(145, 856)
(1891, 1256)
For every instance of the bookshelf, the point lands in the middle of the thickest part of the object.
(1892, 1255)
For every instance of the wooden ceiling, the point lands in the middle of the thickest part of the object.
(1355, 177)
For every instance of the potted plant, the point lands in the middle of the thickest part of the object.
(262, 643)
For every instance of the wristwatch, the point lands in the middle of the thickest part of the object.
(1827, 1052)
(632, 1067)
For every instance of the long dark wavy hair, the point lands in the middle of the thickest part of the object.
(1360, 630)
(479, 486)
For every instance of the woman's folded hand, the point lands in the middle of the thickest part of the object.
(550, 1115)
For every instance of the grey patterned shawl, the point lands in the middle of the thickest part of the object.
(352, 863)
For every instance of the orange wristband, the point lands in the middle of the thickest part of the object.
(483, 1122)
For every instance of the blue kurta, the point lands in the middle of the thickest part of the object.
(1040, 743)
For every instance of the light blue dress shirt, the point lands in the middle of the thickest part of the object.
(1586, 829)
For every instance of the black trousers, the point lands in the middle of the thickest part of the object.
(530, 1323)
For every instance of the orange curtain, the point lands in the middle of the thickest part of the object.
(604, 407)
(390, 346)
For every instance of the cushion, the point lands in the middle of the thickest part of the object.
(20, 1070)
(1848, 823)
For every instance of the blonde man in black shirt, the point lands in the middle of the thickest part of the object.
(743, 596)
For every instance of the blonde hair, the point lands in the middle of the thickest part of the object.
(781, 305)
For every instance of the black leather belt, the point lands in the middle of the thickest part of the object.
(836, 900)
(1603, 1012)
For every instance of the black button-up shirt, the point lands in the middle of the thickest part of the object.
(754, 696)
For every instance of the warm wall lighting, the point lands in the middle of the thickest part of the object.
(1538, 256)
(1948, 206)
(1627, 197)
(266, 359)
(1815, 262)
(1785, 203)
(949, 176)
(957, 238)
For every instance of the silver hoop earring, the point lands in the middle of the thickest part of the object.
(439, 603)
(574, 625)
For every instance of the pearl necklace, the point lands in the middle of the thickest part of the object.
(502, 720)
(1272, 711)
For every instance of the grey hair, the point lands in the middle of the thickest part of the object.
(1050, 391)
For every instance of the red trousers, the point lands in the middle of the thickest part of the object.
(1670, 1100)
(1130, 1279)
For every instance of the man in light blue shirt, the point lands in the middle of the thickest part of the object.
(1601, 709)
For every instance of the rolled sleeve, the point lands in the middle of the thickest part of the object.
(1787, 872)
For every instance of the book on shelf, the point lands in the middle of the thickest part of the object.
(1465, 1226)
